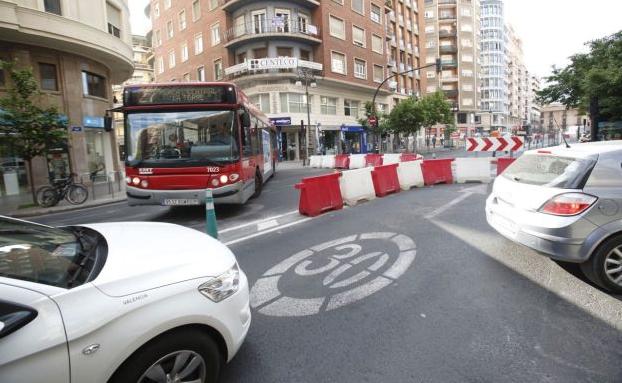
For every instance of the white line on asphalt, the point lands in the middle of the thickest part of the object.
(448, 205)
(266, 225)
(242, 239)
(257, 222)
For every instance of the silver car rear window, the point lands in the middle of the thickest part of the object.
(551, 171)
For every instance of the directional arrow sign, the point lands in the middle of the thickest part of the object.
(490, 144)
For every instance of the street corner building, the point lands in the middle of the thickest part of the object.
(77, 50)
(309, 65)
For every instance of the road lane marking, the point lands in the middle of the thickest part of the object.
(260, 233)
(256, 222)
(267, 225)
(466, 193)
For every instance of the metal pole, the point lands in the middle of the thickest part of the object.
(210, 215)
(308, 120)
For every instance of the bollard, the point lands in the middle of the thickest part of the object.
(210, 215)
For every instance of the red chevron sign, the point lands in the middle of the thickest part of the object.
(492, 144)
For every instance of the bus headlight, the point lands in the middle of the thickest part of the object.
(135, 180)
(128, 180)
(233, 177)
(223, 286)
(215, 182)
(144, 183)
(223, 179)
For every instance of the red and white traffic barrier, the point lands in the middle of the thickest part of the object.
(492, 144)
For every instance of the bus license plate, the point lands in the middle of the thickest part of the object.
(181, 202)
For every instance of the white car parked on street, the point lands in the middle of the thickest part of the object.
(117, 302)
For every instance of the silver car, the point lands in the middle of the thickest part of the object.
(567, 204)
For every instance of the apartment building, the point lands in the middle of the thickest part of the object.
(76, 50)
(452, 32)
(517, 78)
(338, 50)
(494, 75)
(555, 119)
(533, 107)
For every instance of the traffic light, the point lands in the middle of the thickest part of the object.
(439, 66)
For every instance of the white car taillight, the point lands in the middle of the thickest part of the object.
(223, 286)
(568, 204)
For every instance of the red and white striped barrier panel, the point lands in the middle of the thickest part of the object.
(492, 144)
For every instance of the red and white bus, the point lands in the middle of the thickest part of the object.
(182, 138)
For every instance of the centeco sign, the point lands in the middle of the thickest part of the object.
(273, 63)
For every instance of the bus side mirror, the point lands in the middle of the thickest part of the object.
(107, 123)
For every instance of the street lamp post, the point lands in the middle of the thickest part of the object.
(306, 76)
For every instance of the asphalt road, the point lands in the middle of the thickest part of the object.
(414, 287)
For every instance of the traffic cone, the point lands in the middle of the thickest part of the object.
(210, 215)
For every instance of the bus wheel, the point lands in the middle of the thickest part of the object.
(258, 184)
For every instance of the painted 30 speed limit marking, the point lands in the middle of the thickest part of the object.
(333, 274)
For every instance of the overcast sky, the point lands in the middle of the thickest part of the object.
(551, 30)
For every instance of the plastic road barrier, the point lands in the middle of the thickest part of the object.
(503, 162)
(437, 171)
(342, 161)
(410, 157)
(319, 194)
(357, 185)
(409, 174)
(385, 179)
(315, 161)
(372, 159)
(391, 158)
(357, 161)
(328, 162)
(473, 169)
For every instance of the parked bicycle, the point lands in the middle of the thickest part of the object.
(73, 192)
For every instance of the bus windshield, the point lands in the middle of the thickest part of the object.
(206, 137)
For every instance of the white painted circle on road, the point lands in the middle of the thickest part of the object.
(333, 274)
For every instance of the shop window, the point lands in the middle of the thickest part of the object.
(93, 85)
(48, 77)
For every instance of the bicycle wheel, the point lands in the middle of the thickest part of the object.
(77, 194)
(47, 196)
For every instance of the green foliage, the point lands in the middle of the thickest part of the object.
(26, 127)
(412, 114)
(594, 75)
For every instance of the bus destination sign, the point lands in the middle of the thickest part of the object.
(172, 95)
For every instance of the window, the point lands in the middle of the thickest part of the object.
(358, 36)
(259, 21)
(466, 12)
(428, 14)
(337, 28)
(157, 38)
(294, 103)
(169, 29)
(376, 44)
(218, 69)
(338, 62)
(360, 69)
(467, 101)
(284, 52)
(182, 20)
(184, 52)
(239, 26)
(467, 28)
(375, 13)
(430, 74)
(262, 101)
(305, 55)
(198, 44)
(114, 20)
(281, 20)
(160, 64)
(215, 34)
(201, 73)
(378, 73)
(93, 85)
(430, 44)
(167, 4)
(156, 10)
(431, 88)
(171, 59)
(351, 108)
(467, 73)
(48, 76)
(186, 77)
(467, 87)
(467, 58)
(52, 6)
(358, 6)
(429, 29)
(196, 10)
(213, 4)
(328, 105)
(467, 43)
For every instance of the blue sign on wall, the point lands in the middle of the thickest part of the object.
(76, 128)
(281, 121)
(93, 122)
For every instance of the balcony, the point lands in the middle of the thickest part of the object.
(402, 45)
(447, 3)
(400, 20)
(448, 49)
(447, 17)
(391, 62)
(233, 5)
(392, 16)
(447, 33)
(409, 24)
(449, 64)
(402, 67)
(451, 93)
(450, 78)
(276, 27)
(393, 42)
(389, 35)
(409, 48)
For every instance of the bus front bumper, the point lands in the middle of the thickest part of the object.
(228, 194)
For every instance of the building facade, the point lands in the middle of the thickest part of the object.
(556, 119)
(76, 50)
(452, 32)
(494, 77)
(517, 80)
(339, 51)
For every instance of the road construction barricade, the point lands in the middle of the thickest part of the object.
(503, 162)
(405, 157)
(409, 174)
(315, 161)
(473, 169)
(357, 185)
(342, 161)
(357, 161)
(319, 194)
(391, 158)
(437, 171)
(385, 179)
(328, 162)
(372, 159)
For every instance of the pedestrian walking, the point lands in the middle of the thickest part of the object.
(434, 141)
(442, 142)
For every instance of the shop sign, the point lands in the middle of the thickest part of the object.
(273, 63)
(76, 129)
(281, 121)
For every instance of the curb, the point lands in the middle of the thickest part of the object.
(36, 212)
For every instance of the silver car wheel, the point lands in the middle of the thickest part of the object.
(177, 367)
(613, 265)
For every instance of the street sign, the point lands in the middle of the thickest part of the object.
(492, 144)
(372, 120)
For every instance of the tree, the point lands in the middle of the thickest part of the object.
(28, 128)
(436, 110)
(591, 82)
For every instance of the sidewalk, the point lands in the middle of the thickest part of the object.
(62, 206)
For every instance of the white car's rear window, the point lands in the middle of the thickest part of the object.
(550, 170)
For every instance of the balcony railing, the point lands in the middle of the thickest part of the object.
(447, 2)
(451, 92)
(447, 16)
(232, 5)
(449, 63)
(272, 26)
(447, 33)
(448, 48)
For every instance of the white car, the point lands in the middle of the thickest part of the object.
(117, 302)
